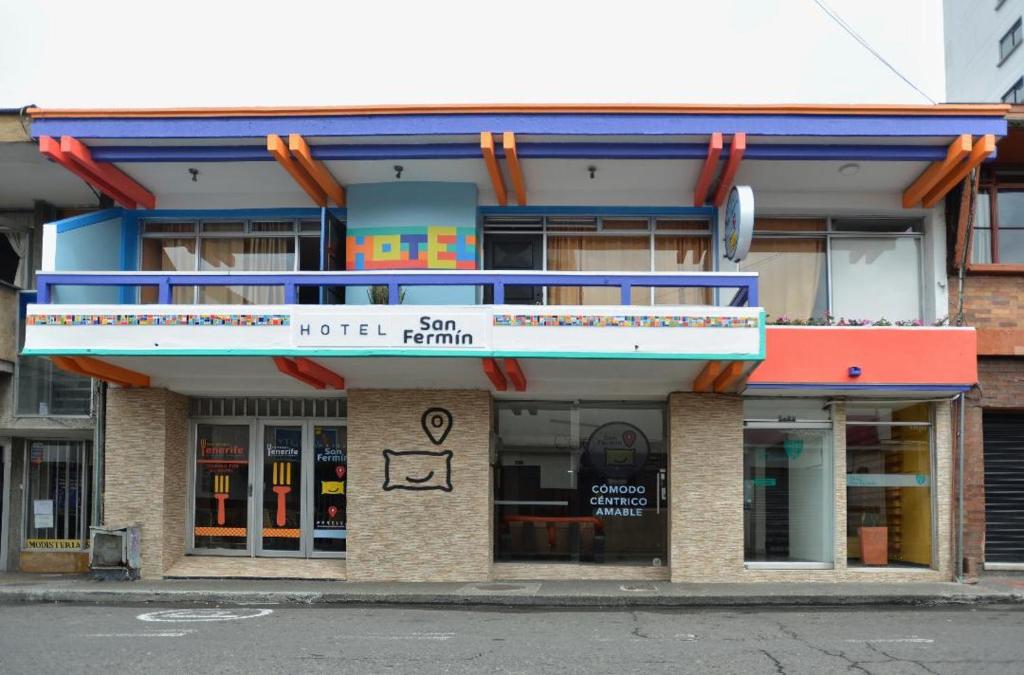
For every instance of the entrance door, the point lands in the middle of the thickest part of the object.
(515, 252)
(300, 495)
(1004, 478)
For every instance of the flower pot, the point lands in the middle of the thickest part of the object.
(874, 545)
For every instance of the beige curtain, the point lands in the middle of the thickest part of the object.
(169, 255)
(682, 254)
(791, 275)
(597, 254)
(262, 254)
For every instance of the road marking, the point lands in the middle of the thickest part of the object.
(177, 633)
(909, 639)
(195, 615)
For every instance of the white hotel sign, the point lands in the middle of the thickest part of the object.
(735, 333)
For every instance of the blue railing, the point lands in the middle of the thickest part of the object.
(744, 283)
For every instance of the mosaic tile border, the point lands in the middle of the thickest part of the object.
(623, 321)
(158, 320)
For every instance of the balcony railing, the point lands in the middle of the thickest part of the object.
(744, 284)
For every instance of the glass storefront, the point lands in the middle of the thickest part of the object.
(581, 482)
(889, 484)
(293, 500)
(57, 494)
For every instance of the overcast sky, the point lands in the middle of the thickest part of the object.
(99, 53)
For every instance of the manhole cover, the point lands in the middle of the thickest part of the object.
(500, 587)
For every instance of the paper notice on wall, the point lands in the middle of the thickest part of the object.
(42, 513)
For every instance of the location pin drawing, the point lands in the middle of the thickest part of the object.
(437, 422)
(332, 511)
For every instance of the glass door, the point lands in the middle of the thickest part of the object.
(280, 499)
(329, 494)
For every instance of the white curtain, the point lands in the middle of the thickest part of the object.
(19, 241)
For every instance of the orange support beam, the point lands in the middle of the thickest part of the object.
(491, 160)
(317, 372)
(704, 381)
(931, 176)
(74, 156)
(515, 374)
(277, 147)
(288, 367)
(316, 169)
(729, 376)
(707, 172)
(515, 170)
(985, 146)
(101, 370)
(732, 165)
(494, 374)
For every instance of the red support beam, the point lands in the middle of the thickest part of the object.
(985, 146)
(707, 172)
(515, 169)
(317, 372)
(930, 177)
(729, 377)
(515, 374)
(494, 374)
(732, 165)
(288, 367)
(101, 370)
(493, 169)
(74, 156)
(315, 169)
(279, 150)
(706, 379)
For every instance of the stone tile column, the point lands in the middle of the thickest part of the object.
(404, 523)
(706, 482)
(146, 455)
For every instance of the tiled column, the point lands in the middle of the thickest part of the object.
(146, 452)
(403, 534)
(706, 478)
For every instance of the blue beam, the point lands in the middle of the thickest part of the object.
(587, 124)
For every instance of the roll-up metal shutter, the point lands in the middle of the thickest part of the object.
(1004, 487)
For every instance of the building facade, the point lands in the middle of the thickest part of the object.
(984, 62)
(683, 343)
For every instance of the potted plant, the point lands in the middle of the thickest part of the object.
(378, 295)
(874, 540)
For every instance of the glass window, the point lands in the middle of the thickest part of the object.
(1015, 94)
(597, 254)
(249, 254)
(56, 509)
(888, 484)
(222, 486)
(787, 495)
(581, 483)
(169, 255)
(1011, 226)
(792, 282)
(1010, 41)
(981, 240)
(44, 389)
(282, 496)
(682, 254)
(876, 278)
(330, 503)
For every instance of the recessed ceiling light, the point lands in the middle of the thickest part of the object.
(851, 169)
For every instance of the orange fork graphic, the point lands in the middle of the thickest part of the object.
(221, 491)
(282, 486)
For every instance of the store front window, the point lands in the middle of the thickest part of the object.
(282, 496)
(581, 482)
(56, 508)
(890, 516)
(787, 484)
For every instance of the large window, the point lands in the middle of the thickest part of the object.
(42, 389)
(607, 244)
(57, 494)
(998, 236)
(239, 246)
(787, 484)
(581, 483)
(845, 268)
(889, 484)
(1010, 41)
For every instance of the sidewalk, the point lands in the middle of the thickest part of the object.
(30, 588)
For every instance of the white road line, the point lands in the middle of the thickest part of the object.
(909, 639)
(177, 633)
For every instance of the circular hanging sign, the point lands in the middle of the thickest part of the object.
(617, 449)
(739, 222)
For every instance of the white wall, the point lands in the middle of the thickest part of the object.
(972, 32)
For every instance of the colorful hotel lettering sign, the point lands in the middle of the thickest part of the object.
(434, 247)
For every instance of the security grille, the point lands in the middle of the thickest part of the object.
(227, 406)
(1004, 487)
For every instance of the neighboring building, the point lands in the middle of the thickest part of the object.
(506, 417)
(984, 59)
(46, 414)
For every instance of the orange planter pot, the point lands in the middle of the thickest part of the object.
(874, 545)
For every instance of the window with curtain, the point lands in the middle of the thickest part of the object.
(249, 254)
(595, 253)
(791, 264)
(998, 236)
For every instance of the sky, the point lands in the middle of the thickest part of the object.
(144, 53)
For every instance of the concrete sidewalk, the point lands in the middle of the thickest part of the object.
(34, 588)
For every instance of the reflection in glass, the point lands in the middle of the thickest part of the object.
(581, 483)
(888, 484)
(787, 496)
(330, 470)
(222, 486)
(792, 276)
(282, 494)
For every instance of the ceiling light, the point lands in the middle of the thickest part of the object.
(851, 169)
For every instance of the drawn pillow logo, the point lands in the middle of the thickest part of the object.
(422, 469)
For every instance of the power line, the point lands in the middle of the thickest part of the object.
(864, 43)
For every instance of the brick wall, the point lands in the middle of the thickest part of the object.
(418, 535)
(991, 305)
(146, 452)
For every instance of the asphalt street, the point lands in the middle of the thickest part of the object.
(40, 639)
